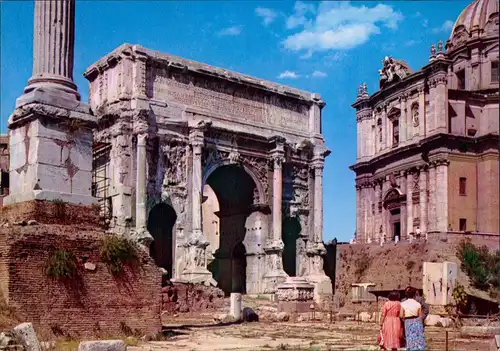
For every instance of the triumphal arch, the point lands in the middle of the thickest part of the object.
(220, 173)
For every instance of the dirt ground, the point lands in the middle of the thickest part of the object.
(203, 335)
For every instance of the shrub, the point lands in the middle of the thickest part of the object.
(61, 264)
(117, 252)
(481, 266)
(410, 265)
(362, 265)
(59, 209)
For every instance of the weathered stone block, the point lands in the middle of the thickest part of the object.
(102, 345)
(27, 334)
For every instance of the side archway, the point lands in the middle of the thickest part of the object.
(161, 221)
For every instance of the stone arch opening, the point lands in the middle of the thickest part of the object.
(234, 189)
(290, 234)
(161, 221)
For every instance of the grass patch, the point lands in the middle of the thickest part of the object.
(61, 265)
(116, 252)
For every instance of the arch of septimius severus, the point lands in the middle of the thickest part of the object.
(219, 173)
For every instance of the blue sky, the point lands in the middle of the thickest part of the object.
(328, 48)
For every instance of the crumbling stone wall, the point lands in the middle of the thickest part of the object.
(93, 305)
(186, 297)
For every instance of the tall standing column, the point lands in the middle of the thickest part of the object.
(409, 203)
(53, 47)
(423, 200)
(274, 246)
(431, 209)
(196, 245)
(43, 123)
(140, 189)
(322, 283)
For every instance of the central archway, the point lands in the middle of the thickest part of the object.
(234, 189)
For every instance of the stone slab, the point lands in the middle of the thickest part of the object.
(295, 306)
(479, 331)
(103, 345)
(49, 196)
(55, 98)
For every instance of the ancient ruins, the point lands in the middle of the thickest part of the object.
(217, 173)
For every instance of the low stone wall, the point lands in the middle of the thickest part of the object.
(95, 304)
(185, 297)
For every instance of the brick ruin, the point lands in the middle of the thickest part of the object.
(94, 303)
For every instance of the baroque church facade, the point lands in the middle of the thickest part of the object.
(427, 141)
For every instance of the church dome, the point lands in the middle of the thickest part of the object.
(478, 20)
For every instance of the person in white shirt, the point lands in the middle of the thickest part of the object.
(413, 321)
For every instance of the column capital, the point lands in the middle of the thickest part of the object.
(277, 158)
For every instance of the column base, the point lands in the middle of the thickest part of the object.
(275, 275)
(195, 256)
(322, 283)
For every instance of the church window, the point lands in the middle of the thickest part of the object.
(395, 133)
(461, 79)
(494, 72)
(462, 187)
(379, 129)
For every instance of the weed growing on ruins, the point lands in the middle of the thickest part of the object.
(362, 265)
(410, 265)
(59, 209)
(62, 265)
(116, 252)
(482, 267)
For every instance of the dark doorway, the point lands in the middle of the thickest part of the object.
(161, 221)
(290, 234)
(234, 189)
(396, 224)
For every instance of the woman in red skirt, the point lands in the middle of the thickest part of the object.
(391, 330)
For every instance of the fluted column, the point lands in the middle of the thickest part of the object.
(53, 46)
(318, 166)
(140, 190)
(278, 159)
(275, 273)
(197, 141)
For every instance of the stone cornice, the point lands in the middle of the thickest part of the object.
(136, 51)
(446, 142)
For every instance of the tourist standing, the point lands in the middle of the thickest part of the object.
(413, 321)
(390, 324)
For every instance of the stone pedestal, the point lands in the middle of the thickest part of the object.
(317, 277)
(295, 295)
(51, 154)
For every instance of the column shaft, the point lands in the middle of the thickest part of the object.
(53, 46)
(318, 203)
(423, 201)
(141, 183)
(277, 196)
(196, 188)
(409, 204)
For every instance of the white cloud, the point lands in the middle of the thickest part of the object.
(446, 27)
(410, 42)
(288, 74)
(232, 31)
(299, 17)
(425, 23)
(417, 14)
(337, 25)
(267, 15)
(319, 74)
